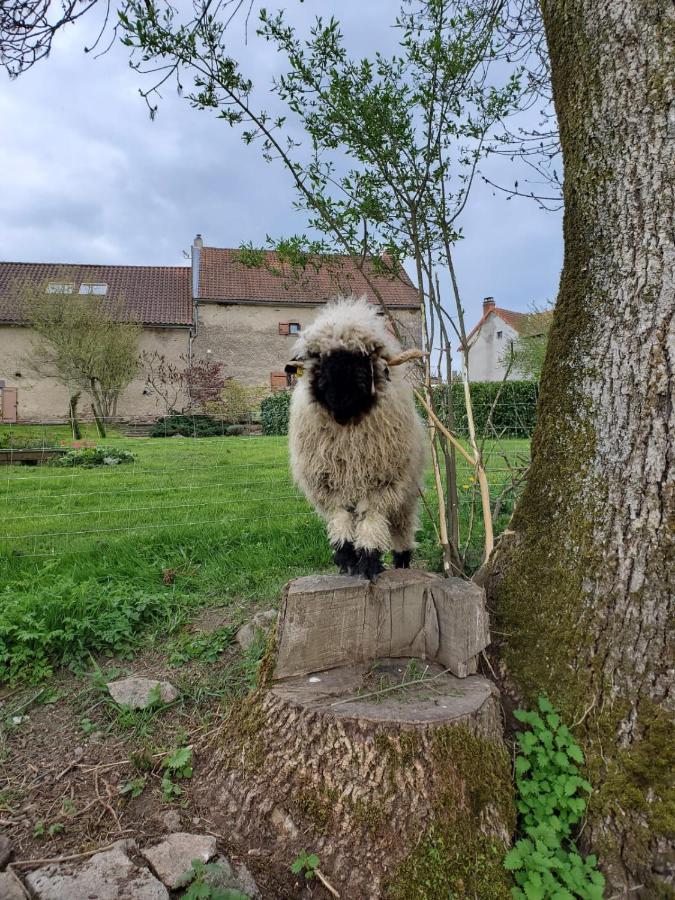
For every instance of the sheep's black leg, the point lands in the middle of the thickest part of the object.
(402, 559)
(369, 564)
(345, 558)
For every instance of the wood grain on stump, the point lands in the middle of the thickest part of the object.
(333, 620)
(393, 771)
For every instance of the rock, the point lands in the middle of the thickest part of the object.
(11, 887)
(223, 877)
(5, 851)
(136, 692)
(261, 621)
(172, 858)
(246, 882)
(109, 875)
(283, 822)
(171, 820)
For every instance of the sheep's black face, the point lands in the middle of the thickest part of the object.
(345, 384)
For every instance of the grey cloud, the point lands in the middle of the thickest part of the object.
(85, 176)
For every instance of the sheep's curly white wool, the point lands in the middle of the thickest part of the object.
(364, 477)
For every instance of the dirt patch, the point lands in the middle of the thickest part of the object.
(77, 773)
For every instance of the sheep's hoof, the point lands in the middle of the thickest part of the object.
(369, 564)
(345, 558)
(402, 559)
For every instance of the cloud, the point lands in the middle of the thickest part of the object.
(85, 176)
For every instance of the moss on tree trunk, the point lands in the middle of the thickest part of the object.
(584, 586)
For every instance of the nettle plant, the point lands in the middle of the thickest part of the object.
(552, 798)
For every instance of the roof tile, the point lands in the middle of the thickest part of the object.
(154, 295)
(224, 277)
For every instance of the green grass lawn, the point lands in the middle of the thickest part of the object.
(99, 560)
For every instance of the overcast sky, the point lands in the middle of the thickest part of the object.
(87, 177)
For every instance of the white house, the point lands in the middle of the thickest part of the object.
(489, 342)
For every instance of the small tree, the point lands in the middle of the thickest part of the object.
(164, 380)
(204, 381)
(527, 352)
(382, 152)
(238, 401)
(83, 344)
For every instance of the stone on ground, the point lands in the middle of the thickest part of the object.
(172, 858)
(11, 887)
(247, 883)
(223, 877)
(5, 851)
(109, 875)
(138, 693)
(260, 622)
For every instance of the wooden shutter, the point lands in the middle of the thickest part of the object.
(278, 381)
(284, 327)
(8, 410)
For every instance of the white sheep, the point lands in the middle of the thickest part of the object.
(356, 440)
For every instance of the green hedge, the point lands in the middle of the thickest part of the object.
(514, 414)
(188, 426)
(274, 413)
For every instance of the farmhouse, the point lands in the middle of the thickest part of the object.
(216, 308)
(490, 340)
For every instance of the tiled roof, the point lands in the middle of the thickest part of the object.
(153, 295)
(224, 277)
(519, 321)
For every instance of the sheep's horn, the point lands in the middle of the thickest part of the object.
(406, 356)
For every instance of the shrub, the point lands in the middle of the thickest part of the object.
(234, 430)
(274, 412)
(188, 426)
(10, 441)
(238, 402)
(95, 456)
(63, 622)
(514, 414)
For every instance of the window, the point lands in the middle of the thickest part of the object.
(500, 334)
(91, 288)
(289, 327)
(60, 287)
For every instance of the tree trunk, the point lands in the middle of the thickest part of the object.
(72, 414)
(100, 421)
(370, 743)
(585, 584)
(403, 795)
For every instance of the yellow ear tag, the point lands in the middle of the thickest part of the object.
(299, 371)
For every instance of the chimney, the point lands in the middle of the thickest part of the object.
(197, 246)
(488, 305)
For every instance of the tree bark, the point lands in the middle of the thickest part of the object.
(584, 586)
(403, 794)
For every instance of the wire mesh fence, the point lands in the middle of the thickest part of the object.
(62, 497)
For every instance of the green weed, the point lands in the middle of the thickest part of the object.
(551, 801)
(200, 888)
(177, 766)
(306, 863)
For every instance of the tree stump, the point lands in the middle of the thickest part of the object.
(389, 767)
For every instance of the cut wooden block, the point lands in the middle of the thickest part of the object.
(334, 620)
